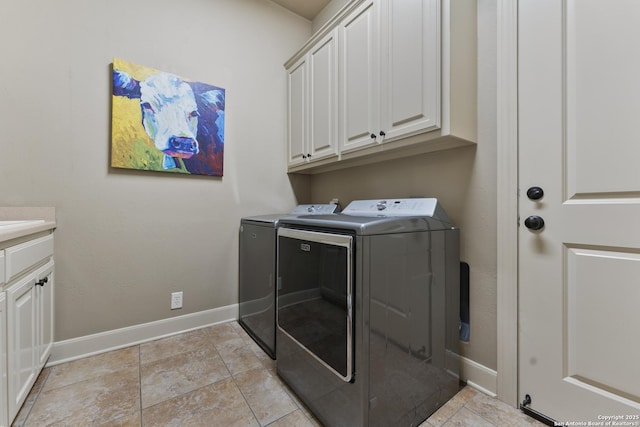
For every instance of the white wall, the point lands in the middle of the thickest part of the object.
(465, 182)
(126, 239)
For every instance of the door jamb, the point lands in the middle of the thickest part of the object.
(507, 201)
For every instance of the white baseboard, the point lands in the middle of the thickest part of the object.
(478, 376)
(474, 374)
(77, 348)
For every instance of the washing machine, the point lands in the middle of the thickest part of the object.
(368, 311)
(257, 272)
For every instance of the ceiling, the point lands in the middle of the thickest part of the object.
(305, 8)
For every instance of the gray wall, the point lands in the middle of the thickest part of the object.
(463, 179)
(126, 240)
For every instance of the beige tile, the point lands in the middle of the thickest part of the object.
(222, 333)
(263, 357)
(466, 418)
(299, 403)
(239, 359)
(176, 344)
(219, 404)
(454, 404)
(237, 327)
(245, 336)
(294, 419)
(266, 397)
(241, 332)
(92, 367)
(133, 420)
(172, 376)
(498, 412)
(101, 399)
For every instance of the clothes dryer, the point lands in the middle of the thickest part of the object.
(257, 272)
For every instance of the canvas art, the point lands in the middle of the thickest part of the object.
(162, 122)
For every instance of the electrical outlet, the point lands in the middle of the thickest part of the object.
(176, 300)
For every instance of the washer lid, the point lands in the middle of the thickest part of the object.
(384, 216)
(397, 207)
(273, 219)
(321, 209)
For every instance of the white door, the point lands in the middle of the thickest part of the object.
(579, 124)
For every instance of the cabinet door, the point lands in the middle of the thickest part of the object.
(359, 104)
(297, 114)
(3, 361)
(44, 292)
(21, 327)
(410, 67)
(323, 98)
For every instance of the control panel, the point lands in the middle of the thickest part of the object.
(321, 209)
(397, 207)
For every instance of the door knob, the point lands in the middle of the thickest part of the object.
(535, 193)
(534, 222)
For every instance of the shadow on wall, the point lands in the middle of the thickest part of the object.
(448, 175)
(301, 185)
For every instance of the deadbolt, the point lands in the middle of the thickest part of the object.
(535, 193)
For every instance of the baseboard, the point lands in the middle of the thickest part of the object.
(475, 375)
(89, 345)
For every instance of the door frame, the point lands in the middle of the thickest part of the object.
(507, 201)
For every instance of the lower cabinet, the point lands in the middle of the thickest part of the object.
(4, 421)
(26, 322)
(44, 313)
(21, 327)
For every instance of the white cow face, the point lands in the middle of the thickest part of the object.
(170, 114)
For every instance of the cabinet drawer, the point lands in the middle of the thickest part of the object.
(21, 257)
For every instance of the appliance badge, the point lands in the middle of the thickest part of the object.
(305, 247)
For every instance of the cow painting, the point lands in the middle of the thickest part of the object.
(180, 123)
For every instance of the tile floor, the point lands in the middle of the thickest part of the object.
(215, 376)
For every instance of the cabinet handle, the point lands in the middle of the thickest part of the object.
(308, 155)
(41, 282)
(304, 156)
(373, 136)
(382, 133)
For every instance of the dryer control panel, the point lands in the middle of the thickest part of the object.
(321, 209)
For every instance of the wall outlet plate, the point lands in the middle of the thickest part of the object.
(176, 300)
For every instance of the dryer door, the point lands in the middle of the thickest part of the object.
(315, 295)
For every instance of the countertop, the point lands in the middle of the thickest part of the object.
(36, 220)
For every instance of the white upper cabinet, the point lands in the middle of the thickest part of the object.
(297, 112)
(313, 114)
(359, 112)
(410, 67)
(406, 83)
